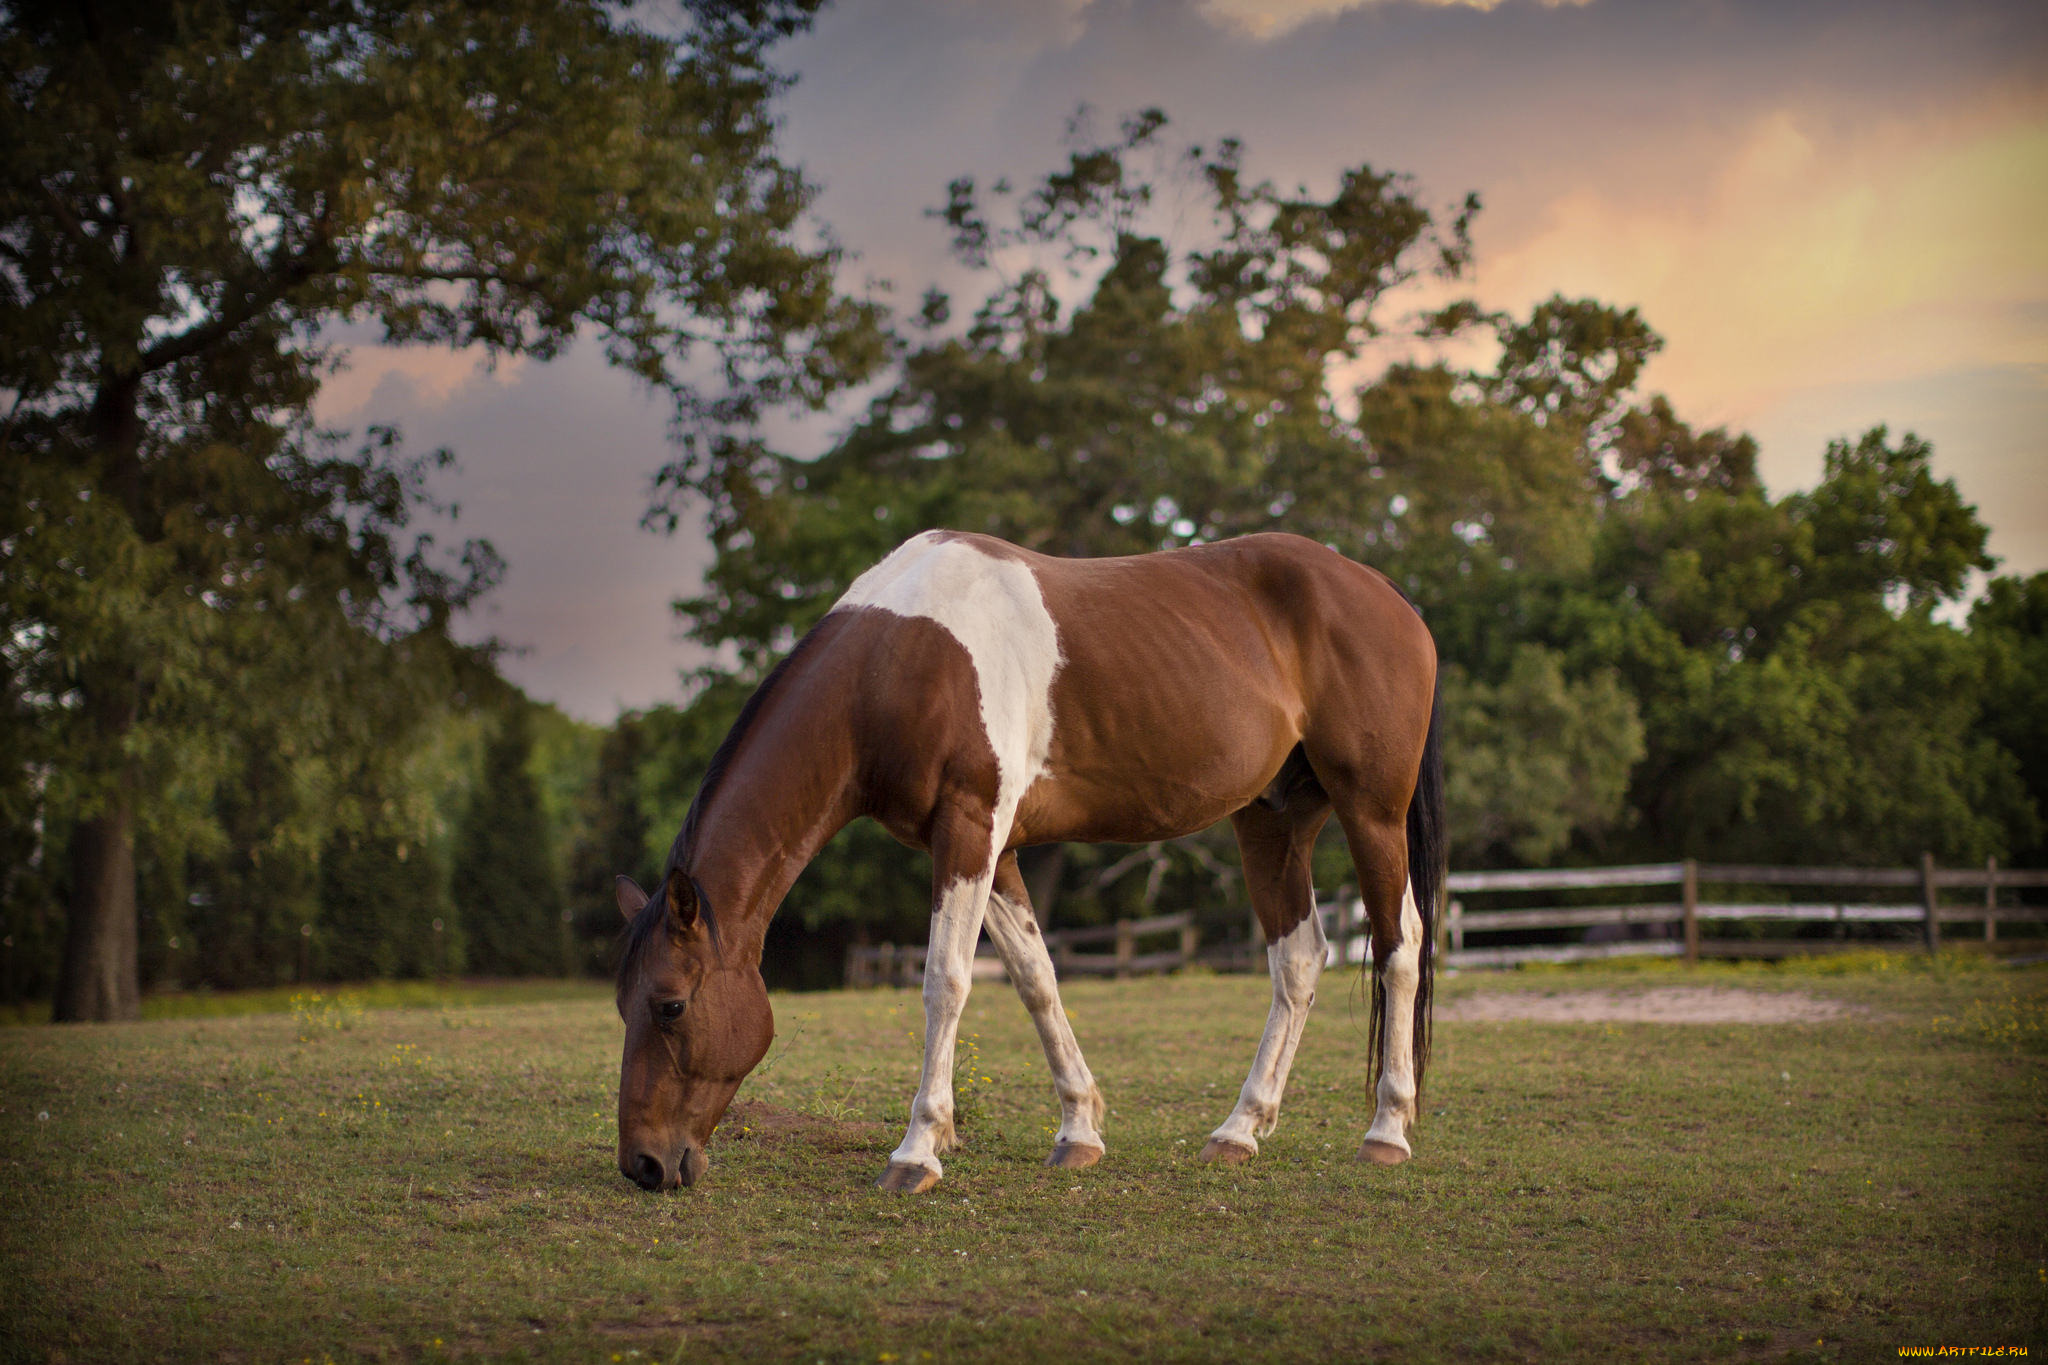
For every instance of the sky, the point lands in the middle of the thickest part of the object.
(1832, 211)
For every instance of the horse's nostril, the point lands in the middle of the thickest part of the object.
(646, 1171)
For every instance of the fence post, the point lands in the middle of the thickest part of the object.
(1930, 901)
(1190, 938)
(1690, 896)
(1991, 900)
(1126, 948)
(1457, 918)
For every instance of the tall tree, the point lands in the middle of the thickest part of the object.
(191, 193)
(2010, 625)
(1180, 398)
(507, 882)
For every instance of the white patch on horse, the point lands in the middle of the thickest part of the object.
(994, 608)
(1295, 961)
(1396, 1100)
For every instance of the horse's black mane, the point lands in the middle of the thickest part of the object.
(652, 916)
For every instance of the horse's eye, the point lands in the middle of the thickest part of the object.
(668, 1011)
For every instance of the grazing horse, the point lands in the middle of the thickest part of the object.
(973, 698)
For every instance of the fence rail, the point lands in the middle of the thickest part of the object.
(1671, 928)
(889, 964)
(1675, 925)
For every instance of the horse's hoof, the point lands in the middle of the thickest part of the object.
(1381, 1153)
(1073, 1156)
(1224, 1152)
(903, 1178)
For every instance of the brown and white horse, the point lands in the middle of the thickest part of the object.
(974, 698)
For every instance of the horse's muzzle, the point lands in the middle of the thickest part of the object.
(651, 1172)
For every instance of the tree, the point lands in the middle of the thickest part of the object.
(190, 195)
(508, 889)
(2010, 625)
(1801, 702)
(1540, 759)
(1182, 400)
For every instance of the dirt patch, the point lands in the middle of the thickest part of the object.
(1658, 1005)
(765, 1125)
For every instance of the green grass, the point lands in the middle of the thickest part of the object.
(368, 995)
(438, 1182)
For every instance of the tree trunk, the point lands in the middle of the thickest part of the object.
(99, 979)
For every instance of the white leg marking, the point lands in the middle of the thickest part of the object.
(948, 972)
(1018, 943)
(1396, 1108)
(1295, 962)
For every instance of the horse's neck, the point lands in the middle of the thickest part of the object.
(788, 791)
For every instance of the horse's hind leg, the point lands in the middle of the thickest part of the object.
(1014, 929)
(1379, 850)
(1276, 847)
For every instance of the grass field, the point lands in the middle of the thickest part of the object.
(437, 1182)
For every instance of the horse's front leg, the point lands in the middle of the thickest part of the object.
(963, 868)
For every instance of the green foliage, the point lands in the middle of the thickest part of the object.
(384, 910)
(1883, 525)
(564, 769)
(200, 580)
(507, 885)
(2010, 625)
(1540, 759)
(1181, 400)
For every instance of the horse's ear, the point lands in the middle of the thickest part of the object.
(631, 897)
(682, 900)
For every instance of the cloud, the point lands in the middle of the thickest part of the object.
(1830, 209)
(555, 464)
(1815, 257)
(1816, 204)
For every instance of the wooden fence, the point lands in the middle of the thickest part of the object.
(1672, 927)
(889, 964)
(1661, 928)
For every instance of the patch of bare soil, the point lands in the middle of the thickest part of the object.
(1657, 1005)
(765, 1124)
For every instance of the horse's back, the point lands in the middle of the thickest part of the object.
(1127, 698)
(1189, 676)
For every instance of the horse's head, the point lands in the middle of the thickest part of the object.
(696, 1024)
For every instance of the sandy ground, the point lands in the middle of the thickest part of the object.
(1657, 1005)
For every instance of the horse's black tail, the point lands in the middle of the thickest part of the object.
(1426, 867)
(1428, 862)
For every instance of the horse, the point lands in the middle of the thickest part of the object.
(975, 697)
